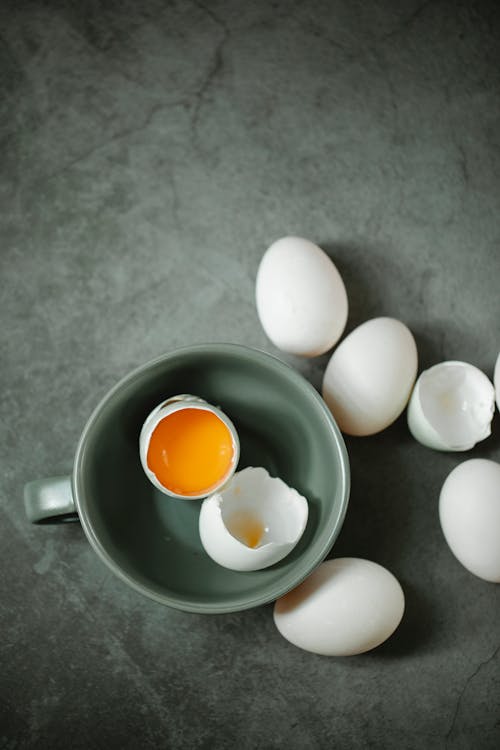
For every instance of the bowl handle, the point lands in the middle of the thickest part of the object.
(50, 500)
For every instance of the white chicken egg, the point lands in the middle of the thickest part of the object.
(451, 407)
(301, 298)
(345, 607)
(369, 377)
(469, 512)
(254, 521)
(496, 381)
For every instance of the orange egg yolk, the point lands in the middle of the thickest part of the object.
(190, 451)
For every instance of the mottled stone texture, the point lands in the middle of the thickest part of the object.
(150, 153)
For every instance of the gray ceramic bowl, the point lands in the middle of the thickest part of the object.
(151, 541)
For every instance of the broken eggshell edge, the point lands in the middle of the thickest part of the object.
(422, 428)
(224, 547)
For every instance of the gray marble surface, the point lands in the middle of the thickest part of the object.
(150, 153)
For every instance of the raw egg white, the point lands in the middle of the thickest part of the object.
(345, 607)
(301, 298)
(469, 512)
(369, 377)
(253, 521)
(451, 407)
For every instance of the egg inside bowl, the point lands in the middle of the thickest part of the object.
(152, 541)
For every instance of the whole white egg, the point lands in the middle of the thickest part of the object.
(368, 380)
(301, 298)
(469, 512)
(496, 381)
(345, 607)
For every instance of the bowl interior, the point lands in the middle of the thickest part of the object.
(151, 540)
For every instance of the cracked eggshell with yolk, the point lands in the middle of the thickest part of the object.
(253, 522)
(168, 408)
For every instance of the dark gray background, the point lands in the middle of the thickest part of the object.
(151, 151)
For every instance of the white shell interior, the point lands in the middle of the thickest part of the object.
(254, 521)
(457, 399)
(254, 496)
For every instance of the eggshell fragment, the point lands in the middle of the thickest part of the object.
(301, 298)
(469, 512)
(254, 521)
(345, 607)
(369, 377)
(451, 407)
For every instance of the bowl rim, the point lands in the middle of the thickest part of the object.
(272, 592)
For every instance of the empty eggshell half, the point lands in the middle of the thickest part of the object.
(254, 521)
(451, 407)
